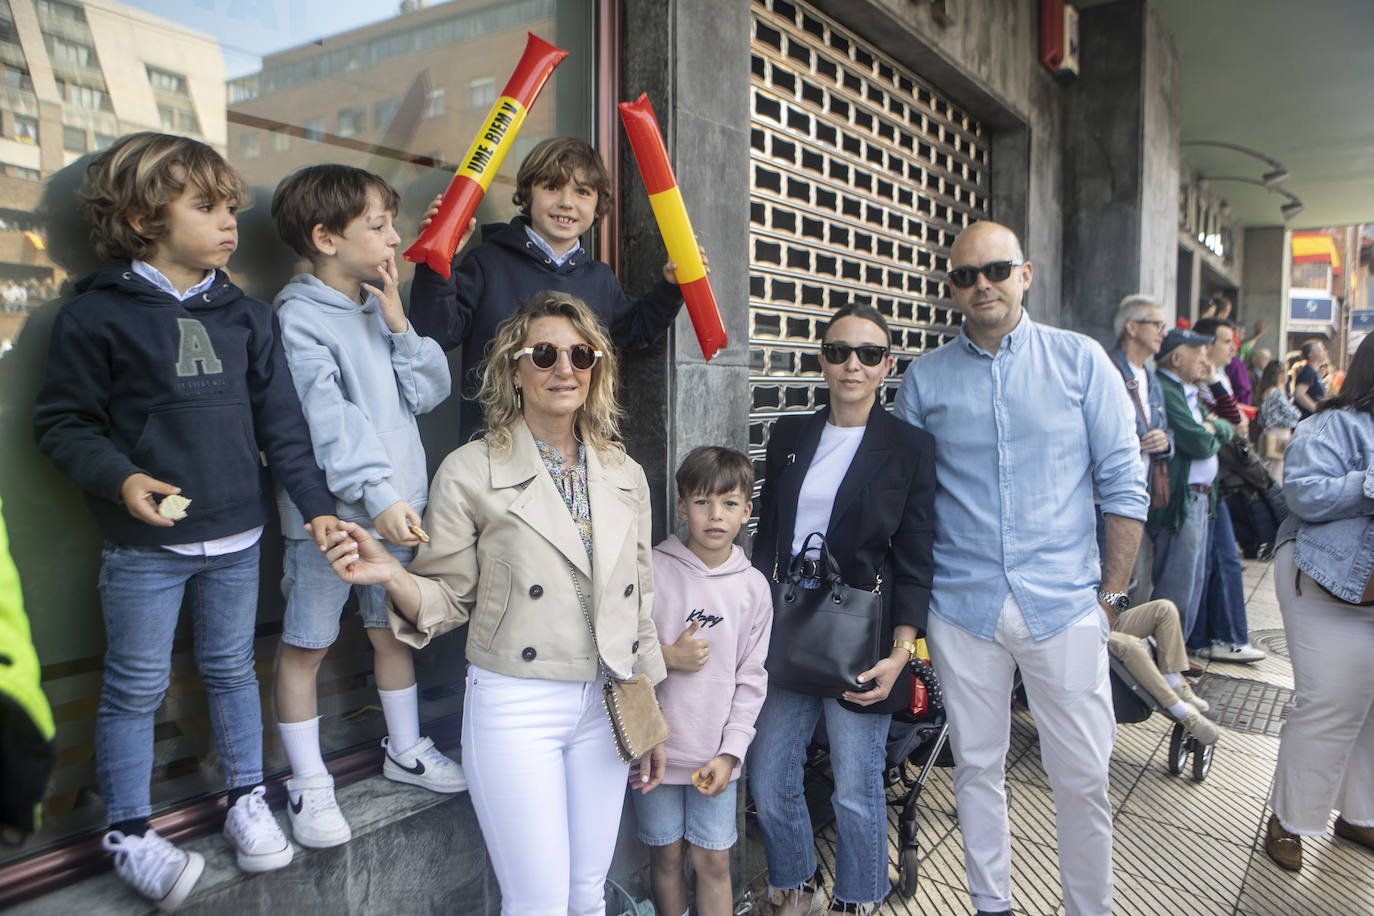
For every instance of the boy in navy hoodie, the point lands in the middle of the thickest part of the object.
(363, 375)
(562, 190)
(164, 379)
(713, 612)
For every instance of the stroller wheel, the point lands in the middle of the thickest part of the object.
(1177, 751)
(1202, 760)
(906, 871)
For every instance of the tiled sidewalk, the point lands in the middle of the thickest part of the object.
(1181, 846)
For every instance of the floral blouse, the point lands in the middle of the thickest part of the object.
(1277, 409)
(571, 481)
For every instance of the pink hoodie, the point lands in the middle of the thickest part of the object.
(711, 711)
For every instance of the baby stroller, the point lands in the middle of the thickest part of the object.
(1133, 704)
(918, 735)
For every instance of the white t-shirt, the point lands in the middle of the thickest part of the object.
(834, 454)
(1142, 396)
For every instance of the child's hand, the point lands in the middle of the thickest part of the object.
(389, 296)
(714, 775)
(670, 269)
(358, 558)
(139, 494)
(432, 212)
(321, 527)
(394, 524)
(647, 772)
(688, 653)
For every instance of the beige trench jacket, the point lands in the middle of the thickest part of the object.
(501, 541)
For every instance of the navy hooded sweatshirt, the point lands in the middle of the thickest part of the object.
(195, 393)
(497, 276)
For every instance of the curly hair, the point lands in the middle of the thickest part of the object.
(139, 176)
(556, 160)
(597, 422)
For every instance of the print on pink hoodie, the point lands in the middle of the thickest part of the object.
(711, 711)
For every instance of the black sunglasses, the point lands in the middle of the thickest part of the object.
(545, 355)
(995, 271)
(837, 354)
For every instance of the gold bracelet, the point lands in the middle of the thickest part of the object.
(906, 644)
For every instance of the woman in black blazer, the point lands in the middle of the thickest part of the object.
(867, 480)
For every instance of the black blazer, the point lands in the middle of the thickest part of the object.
(883, 519)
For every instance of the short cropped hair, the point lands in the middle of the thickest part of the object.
(1211, 327)
(325, 195)
(556, 160)
(1132, 308)
(139, 175)
(712, 470)
(858, 310)
(1310, 345)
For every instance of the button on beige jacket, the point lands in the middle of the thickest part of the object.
(501, 541)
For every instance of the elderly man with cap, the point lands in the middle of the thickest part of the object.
(1181, 531)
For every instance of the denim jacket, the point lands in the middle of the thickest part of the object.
(1328, 483)
(1158, 418)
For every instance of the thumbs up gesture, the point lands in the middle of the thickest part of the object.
(688, 653)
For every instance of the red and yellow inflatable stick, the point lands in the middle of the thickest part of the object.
(671, 213)
(437, 244)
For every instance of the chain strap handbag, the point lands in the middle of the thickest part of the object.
(637, 722)
(825, 633)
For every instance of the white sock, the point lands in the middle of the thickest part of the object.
(1173, 680)
(401, 709)
(301, 741)
(1181, 710)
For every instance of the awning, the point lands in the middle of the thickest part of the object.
(1314, 247)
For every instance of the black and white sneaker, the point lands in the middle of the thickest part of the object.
(316, 820)
(425, 767)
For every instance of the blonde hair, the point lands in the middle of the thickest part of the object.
(597, 421)
(140, 175)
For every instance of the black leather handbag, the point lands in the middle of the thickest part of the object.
(825, 636)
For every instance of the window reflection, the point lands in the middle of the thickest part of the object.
(398, 89)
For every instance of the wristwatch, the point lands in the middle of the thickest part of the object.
(906, 644)
(1117, 601)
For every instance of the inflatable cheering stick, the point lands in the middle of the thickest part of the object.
(673, 224)
(438, 243)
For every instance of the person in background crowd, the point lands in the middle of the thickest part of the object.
(1322, 577)
(1310, 385)
(1277, 417)
(1017, 582)
(1255, 364)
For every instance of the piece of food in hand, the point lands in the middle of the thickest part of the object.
(701, 777)
(419, 533)
(173, 507)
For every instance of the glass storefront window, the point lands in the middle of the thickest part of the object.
(394, 88)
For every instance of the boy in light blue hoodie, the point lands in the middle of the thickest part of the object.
(363, 374)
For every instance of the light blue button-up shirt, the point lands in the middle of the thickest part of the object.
(1021, 437)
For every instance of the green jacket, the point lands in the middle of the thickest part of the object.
(1192, 441)
(27, 749)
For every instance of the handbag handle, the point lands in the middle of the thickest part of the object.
(827, 567)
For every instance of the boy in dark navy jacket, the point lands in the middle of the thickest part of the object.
(163, 378)
(562, 190)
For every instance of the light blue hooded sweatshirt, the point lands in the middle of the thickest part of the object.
(361, 387)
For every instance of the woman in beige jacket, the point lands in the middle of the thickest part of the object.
(542, 514)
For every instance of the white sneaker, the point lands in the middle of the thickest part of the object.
(253, 832)
(1230, 652)
(424, 766)
(1185, 693)
(154, 867)
(316, 820)
(1201, 728)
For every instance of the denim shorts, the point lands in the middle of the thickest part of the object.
(669, 813)
(315, 596)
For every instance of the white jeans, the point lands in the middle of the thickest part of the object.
(1326, 754)
(548, 787)
(1066, 681)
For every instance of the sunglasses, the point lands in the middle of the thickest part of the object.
(837, 354)
(1158, 325)
(545, 355)
(995, 271)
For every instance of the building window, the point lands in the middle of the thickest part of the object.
(251, 146)
(281, 141)
(383, 112)
(16, 78)
(314, 129)
(481, 93)
(104, 141)
(59, 9)
(71, 54)
(84, 96)
(19, 171)
(25, 129)
(434, 103)
(352, 122)
(74, 139)
(166, 81)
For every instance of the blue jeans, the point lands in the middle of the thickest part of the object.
(141, 590)
(776, 757)
(1180, 567)
(1221, 615)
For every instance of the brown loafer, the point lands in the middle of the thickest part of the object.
(1283, 847)
(1354, 832)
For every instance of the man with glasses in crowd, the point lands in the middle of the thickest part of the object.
(1027, 420)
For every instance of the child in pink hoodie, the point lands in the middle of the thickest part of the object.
(713, 611)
